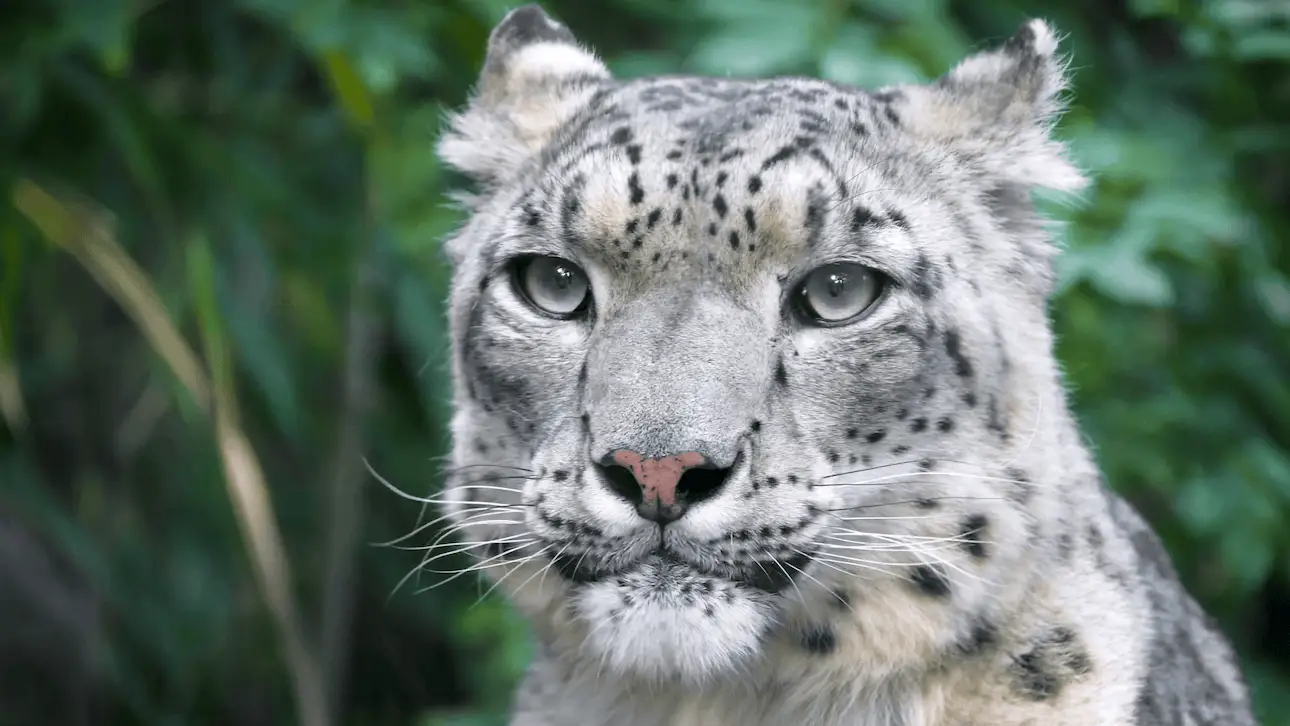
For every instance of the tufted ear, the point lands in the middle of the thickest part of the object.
(535, 78)
(995, 111)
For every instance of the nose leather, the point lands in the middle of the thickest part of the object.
(658, 478)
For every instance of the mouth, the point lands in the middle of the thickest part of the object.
(770, 576)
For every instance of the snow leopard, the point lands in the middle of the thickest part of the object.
(757, 419)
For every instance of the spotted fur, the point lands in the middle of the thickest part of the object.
(907, 530)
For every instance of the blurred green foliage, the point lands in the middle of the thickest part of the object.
(268, 164)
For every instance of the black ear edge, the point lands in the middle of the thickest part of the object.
(522, 27)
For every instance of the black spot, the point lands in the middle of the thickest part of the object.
(754, 184)
(898, 219)
(721, 179)
(1095, 538)
(780, 156)
(676, 217)
(973, 531)
(631, 225)
(833, 457)
(923, 278)
(980, 637)
(814, 220)
(852, 433)
(945, 425)
(654, 215)
(781, 373)
(819, 639)
(860, 217)
(930, 581)
(734, 240)
(1022, 488)
(674, 154)
(671, 181)
(994, 418)
(755, 426)
(954, 348)
(531, 217)
(1030, 678)
(621, 135)
(918, 425)
(750, 219)
(969, 399)
(657, 256)
(1065, 546)
(634, 188)
(634, 154)
(841, 599)
(900, 449)
(874, 437)
(560, 475)
(719, 205)
(1054, 659)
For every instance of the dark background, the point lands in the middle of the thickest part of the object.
(220, 226)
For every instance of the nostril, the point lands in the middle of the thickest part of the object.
(622, 482)
(699, 484)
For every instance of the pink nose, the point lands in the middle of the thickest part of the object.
(658, 478)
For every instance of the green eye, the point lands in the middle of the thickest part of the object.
(837, 293)
(554, 286)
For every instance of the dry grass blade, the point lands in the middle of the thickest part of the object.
(11, 407)
(87, 235)
(85, 232)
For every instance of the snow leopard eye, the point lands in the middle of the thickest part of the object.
(837, 293)
(554, 286)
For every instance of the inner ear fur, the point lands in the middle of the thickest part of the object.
(536, 76)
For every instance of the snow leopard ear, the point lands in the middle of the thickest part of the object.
(535, 78)
(995, 110)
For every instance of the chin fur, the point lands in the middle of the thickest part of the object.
(667, 623)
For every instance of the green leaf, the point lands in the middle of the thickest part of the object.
(744, 50)
(1248, 554)
(854, 58)
(351, 91)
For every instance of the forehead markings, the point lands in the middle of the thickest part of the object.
(712, 132)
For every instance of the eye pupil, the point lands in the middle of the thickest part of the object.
(563, 277)
(837, 284)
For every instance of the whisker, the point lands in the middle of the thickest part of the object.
(893, 477)
(831, 564)
(465, 545)
(480, 566)
(920, 500)
(451, 469)
(461, 514)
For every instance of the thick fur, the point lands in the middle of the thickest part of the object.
(912, 532)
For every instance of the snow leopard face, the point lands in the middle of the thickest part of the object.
(736, 361)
